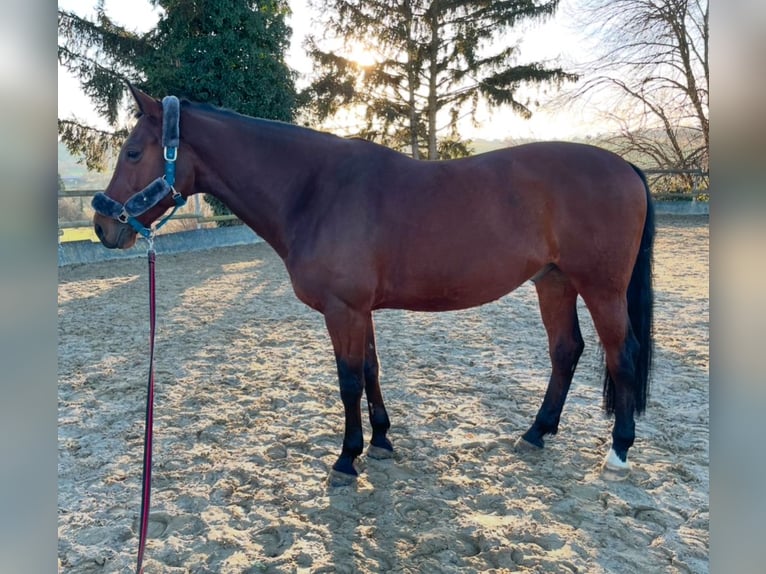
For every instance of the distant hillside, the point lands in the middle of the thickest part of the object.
(75, 175)
(482, 145)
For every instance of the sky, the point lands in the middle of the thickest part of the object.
(552, 41)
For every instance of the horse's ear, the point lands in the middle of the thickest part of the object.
(147, 105)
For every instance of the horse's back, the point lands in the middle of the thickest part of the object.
(520, 185)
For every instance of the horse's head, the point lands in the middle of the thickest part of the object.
(139, 193)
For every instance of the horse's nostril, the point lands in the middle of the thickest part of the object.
(99, 231)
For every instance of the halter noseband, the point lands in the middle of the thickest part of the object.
(158, 189)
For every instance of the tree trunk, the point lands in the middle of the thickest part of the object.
(433, 63)
(412, 81)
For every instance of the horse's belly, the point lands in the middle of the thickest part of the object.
(450, 292)
(438, 303)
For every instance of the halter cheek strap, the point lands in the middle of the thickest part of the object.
(158, 189)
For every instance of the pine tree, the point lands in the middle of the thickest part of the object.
(228, 53)
(435, 58)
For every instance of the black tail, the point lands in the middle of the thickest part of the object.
(640, 311)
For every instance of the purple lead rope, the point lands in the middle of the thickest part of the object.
(146, 481)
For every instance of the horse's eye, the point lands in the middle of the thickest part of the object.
(133, 154)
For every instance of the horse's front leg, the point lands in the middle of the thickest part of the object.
(347, 328)
(380, 447)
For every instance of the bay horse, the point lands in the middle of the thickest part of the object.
(362, 227)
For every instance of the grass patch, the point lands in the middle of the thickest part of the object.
(78, 234)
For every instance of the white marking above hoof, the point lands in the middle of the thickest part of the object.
(614, 468)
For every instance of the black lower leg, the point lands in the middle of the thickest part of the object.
(353, 439)
(623, 436)
(564, 361)
(547, 418)
(624, 430)
(380, 425)
(377, 410)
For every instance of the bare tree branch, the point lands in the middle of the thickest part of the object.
(655, 82)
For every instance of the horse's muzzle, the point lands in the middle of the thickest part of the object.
(114, 234)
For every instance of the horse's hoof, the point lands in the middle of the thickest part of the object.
(337, 479)
(615, 469)
(522, 445)
(614, 475)
(379, 453)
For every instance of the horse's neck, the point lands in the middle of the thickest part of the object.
(256, 169)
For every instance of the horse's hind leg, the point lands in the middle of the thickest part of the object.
(610, 317)
(380, 446)
(558, 308)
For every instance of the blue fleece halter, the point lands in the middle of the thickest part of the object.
(156, 191)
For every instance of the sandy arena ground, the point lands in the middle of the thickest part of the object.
(248, 421)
